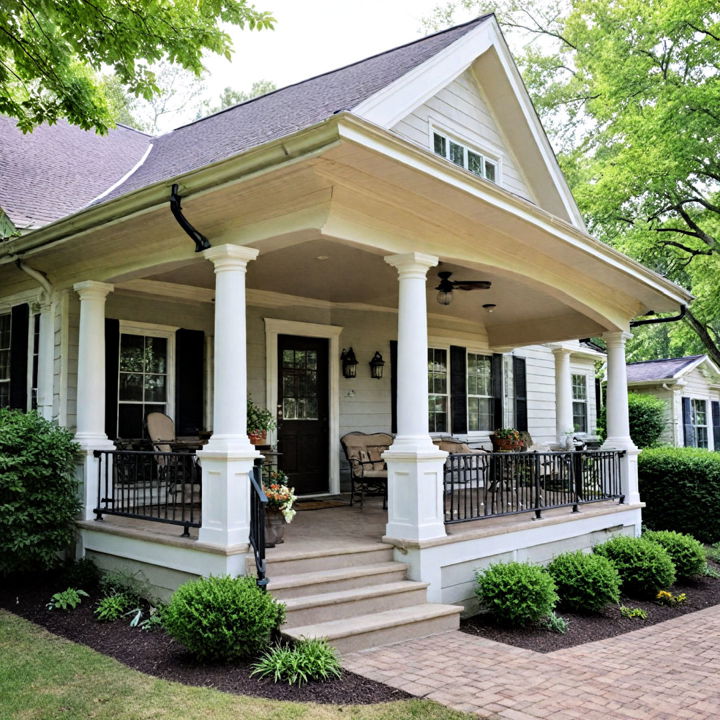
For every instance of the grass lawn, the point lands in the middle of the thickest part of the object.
(43, 677)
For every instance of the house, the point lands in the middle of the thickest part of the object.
(690, 389)
(321, 216)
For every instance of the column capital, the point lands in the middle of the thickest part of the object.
(560, 349)
(230, 257)
(93, 288)
(616, 338)
(412, 263)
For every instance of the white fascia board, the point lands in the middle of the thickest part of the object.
(379, 140)
(395, 101)
(702, 360)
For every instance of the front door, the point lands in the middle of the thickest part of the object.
(303, 439)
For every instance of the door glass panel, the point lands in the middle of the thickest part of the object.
(299, 383)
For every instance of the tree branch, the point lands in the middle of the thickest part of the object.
(701, 330)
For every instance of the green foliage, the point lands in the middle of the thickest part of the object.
(38, 491)
(134, 585)
(82, 573)
(667, 598)
(712, 552)
(258, 419)
(632, 613)
(50, 53)
(679, 485)
(222, 618)
(647, 419)
(67, 599)
(711, 572)
(687, 554)
(555, 623)
(154, 619)
(516, 593)
(308, 660)
(113, 607)
(585, 583)
(644, 566)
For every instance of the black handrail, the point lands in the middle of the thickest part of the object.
(258, 502)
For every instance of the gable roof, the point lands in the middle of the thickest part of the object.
(58, 169)
(665, 369)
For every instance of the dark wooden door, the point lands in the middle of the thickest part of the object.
(303, 438)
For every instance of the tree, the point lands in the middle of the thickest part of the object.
(51, 53)
(230, 97)
(630, 93)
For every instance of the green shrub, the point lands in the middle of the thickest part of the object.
(687, 554)
(66, 600)
(113, 607)
(222, 618)
(308, 660)
(82, 573)
(585, 583)
(134, 585)
(556, 624)
(38, 491)
(680, 487)
(647, 419)
(516, 593)
(644, 567)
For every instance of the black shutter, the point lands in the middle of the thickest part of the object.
(112, 358)
(19, 321)
(189, 381)
(520, 388)
(716, 424)
(497, 386)
(689, 430)
(393, 385)
(458, 389)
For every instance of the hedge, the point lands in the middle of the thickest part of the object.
(647, 419)
(681, 487)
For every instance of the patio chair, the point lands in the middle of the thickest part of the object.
(368, 472)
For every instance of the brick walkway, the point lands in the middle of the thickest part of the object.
(662, 672)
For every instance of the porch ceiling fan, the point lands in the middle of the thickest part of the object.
(446, 286)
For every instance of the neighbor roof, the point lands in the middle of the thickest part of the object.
(58, 169)
(658, 369)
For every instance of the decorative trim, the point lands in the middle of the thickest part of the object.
(275, 327)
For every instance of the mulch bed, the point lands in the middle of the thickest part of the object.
(157, 654)
(702, 592)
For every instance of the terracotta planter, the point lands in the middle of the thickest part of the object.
(258, 437)
(505, 444)
(274, 528)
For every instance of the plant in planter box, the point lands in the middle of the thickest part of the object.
(259, 421)
(279, 509)
(505, 439)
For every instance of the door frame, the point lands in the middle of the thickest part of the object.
(275, 327)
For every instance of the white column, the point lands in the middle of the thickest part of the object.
(618, 420)
(228, 458)
(90, 433)
(46, 353)
(415, 465)
(563, 395)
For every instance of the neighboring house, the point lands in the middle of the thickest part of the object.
(330, 207)
(690, 389)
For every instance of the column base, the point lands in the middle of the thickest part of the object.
(415, 491)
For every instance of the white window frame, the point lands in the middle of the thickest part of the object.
(468, 144)
(468, 395)
(585, 401)
(696, 426)
(8, 379)
(33, 355)
(151, 330)
(448, 409)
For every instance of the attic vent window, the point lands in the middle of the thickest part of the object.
(461, 155)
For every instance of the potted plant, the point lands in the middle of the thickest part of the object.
(259, 421)
(506, 440)
(279, 510)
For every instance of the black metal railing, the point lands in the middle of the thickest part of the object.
(149, 485)
(481, 485)
(258, 502)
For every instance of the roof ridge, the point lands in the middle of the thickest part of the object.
(334, 70)
(134, 129)
(676, 359)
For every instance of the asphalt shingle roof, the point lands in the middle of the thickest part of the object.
(658, 369)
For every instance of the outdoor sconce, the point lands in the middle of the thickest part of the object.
(376, 366)
(349, 363)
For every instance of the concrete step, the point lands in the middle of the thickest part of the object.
(324, 607)
(329, 581)
(381, 628)
(286, 562)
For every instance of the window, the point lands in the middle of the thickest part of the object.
(438, 390)
(580, 403)
(461, 155)
(143, 382)
(699, 422)
(480, 400)
(4, 360)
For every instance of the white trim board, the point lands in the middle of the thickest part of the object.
(275, 327)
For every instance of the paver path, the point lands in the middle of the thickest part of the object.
(669, 671)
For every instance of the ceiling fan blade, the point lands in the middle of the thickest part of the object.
(472, 285)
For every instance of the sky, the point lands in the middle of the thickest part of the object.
(312, 37)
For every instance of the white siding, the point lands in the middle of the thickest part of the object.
(461, 109)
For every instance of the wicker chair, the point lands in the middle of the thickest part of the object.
(368, 472)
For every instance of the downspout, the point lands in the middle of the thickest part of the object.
(201, 242)
(656, 321)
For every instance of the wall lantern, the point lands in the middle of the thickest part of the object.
(376, 366)
(349, 363)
